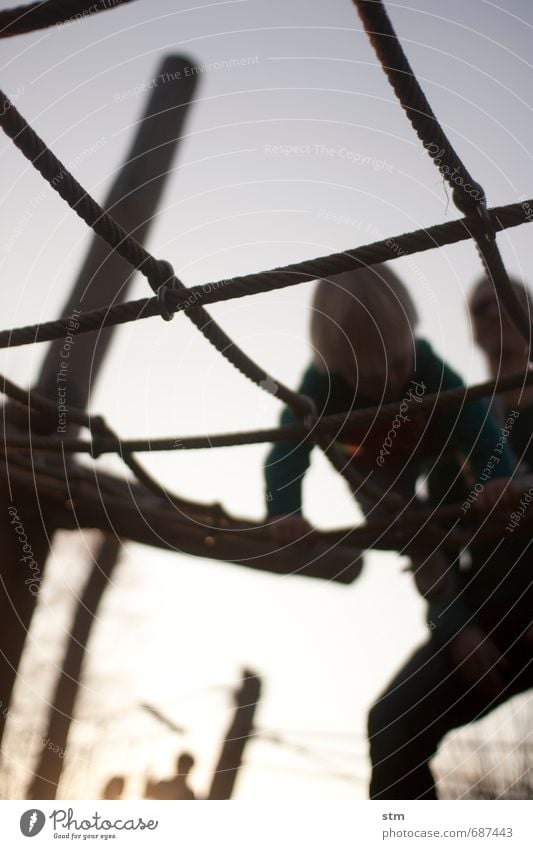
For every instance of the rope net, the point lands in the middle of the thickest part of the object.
(478, 223)
(36, 16)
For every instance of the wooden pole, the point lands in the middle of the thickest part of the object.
(50, 763)
(237, 736)
(104, 277)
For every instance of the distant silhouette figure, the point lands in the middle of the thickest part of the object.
(175, 787)
(114, 788)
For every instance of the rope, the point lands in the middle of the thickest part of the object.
(156, 271)
(401, 76)
(394, 533)
(479, 224)
(417, 241)
(34, 16)
(101, 434)
(383, 534)
(468, 195)
(61, 180)
(214, 511)
(106, 444)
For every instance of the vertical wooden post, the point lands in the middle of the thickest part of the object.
(238, 734)
(104, 278)
(51, 760)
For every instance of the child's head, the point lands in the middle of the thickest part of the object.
(362, 327)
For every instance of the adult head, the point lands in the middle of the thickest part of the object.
(362, 327)
(493, 331)
(184, 764)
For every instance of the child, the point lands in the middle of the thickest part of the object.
(365, 353)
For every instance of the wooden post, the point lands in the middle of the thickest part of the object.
(104, 277)
(238, 734)
(50, 763)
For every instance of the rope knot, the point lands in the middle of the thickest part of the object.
(98, 429)
(165, 282)
(474, 202)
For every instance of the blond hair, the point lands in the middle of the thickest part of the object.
(360, 318)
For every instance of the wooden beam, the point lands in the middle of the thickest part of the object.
(128, 510)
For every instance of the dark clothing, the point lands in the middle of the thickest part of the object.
(496, 587)
(425, 700)
(428, 698)
(521, 436)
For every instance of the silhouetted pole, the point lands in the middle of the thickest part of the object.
(104, 278)
(238, 734)
(52, 758)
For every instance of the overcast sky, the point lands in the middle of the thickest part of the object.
(240, 200)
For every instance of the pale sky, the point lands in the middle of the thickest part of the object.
(172, 627)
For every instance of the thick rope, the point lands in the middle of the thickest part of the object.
(396, 533)
(105, 444)
(100, 433)
(103, 431)
(389, 502)
(376, 533)
(156, 271)
(468, 195)
(37, 16)
(61, 180)
(401, 76)
(171, 293)
(439, 235)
